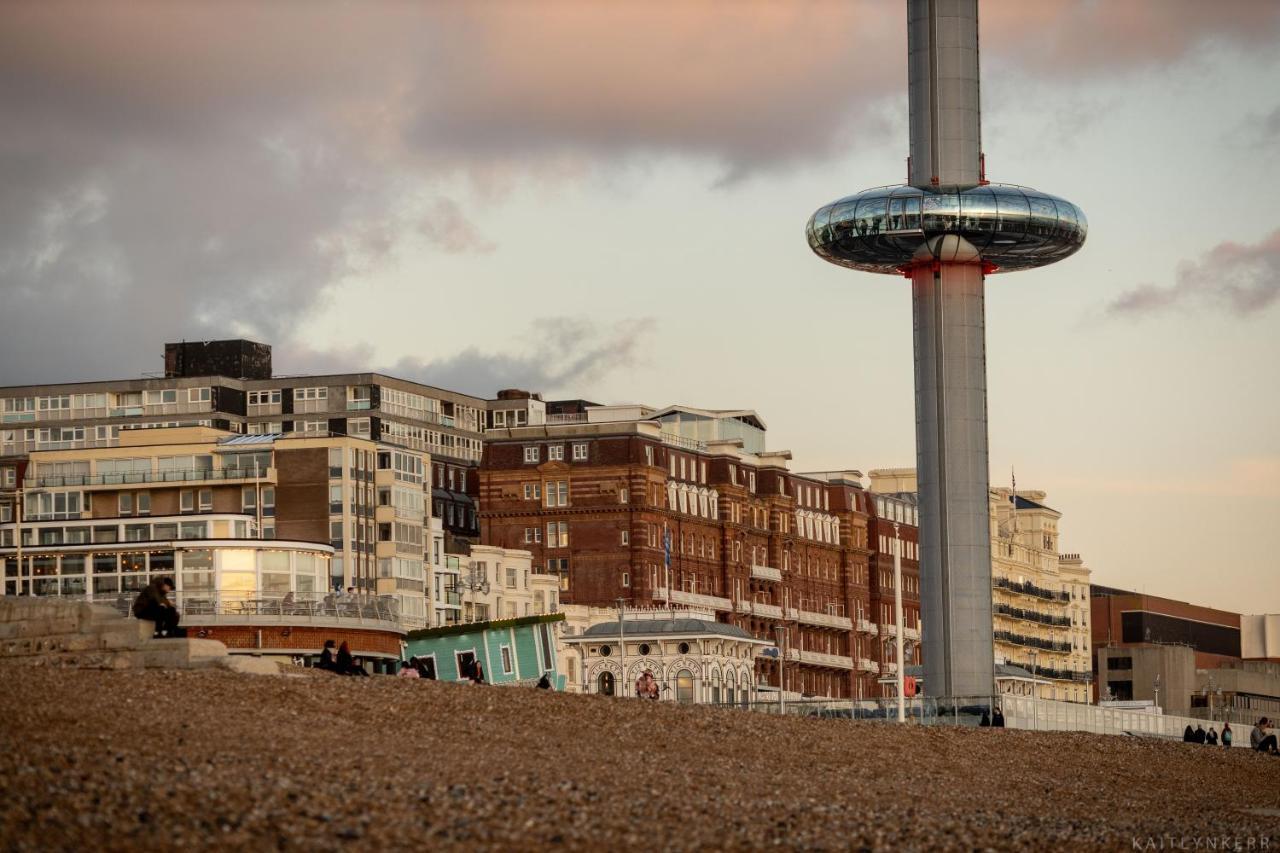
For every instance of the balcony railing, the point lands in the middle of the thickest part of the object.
(1030, 589)
(1032, 615)
(744, 606)
(699, 600)
(824, 659)
(766, 573)
(827, 620)
(683, 443)
(209, 608)
(868, 665)
(570, 418)
(189, 476)
(1031, 642)
(769, 611)
(868, 628)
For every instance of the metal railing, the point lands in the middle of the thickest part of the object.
(131, 477)
(1032, 615)
(202, 607)
(674, 440)
(1031, 642)
(1028, 588)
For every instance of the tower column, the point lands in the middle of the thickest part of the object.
(951, 464)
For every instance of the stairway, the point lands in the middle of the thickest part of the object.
(54, 632)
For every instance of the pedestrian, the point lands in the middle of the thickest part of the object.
(1211, 739)
(1227, 736)
(1199, 735)
(1260, 740)
(326, 657)
(477, 676)
(985, 722)
(544, 683)
(1188, 734)
(997, 718)
(408, 670)
(153, 604)
(346, 664)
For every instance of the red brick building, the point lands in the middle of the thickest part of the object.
(621, 507)
(891, 516)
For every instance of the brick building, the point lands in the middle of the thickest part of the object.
(892, 523)
(668, 507)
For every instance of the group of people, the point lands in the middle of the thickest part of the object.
(1259, 740)
(995, 720)
(339, 661)
(416, 667)
(1209, 738)
(647, 686)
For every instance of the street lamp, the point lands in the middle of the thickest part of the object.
(897, 615)
(781, 631)
(622, 646)
(474, 585)
(1156, 689)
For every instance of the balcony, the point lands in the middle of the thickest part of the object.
(1031, 642)
(714, 602)
(911, 633)
(867, 665)
(826, 620)
(274, 609)
(766, 573)
(135, 477)
(570, 418)
(744, 607)
(1029, 589)
(683, 443)
(1011, 612)
(868, 628)
(824, 659)
(769, 611)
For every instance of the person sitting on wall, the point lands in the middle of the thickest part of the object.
(1199, 734)
(544, 683)
(985, 722)
(153, 604)
(997, 718)
(327, 660)
(1260, 740)
(408, 670)
(1211, 739)
(1188, 734)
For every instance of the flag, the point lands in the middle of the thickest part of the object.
(666, 546)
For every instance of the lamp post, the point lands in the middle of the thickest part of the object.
(1156, 689)
(781, 631)
(1208, 692)
(897, 615)
(622, 647)
(1035, 694)
(473, 584)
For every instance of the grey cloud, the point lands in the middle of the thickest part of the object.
(560, 355)
(185, 169)
(1242, 280)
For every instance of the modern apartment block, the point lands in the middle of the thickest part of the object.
(681, 506)
(367, 504)
(1040, 599)
(229, 385)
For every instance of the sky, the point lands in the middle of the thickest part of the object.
(608, 201)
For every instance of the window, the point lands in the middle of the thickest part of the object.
(8, 477)
(206, 500)
(531, 454)
(310, 394)
(358, 427)
(126, 503)
(142, 503)
(198, 395)
(558, 493)
(511, 577)
(624, 496)
(187, 501)
(579, 452)
(555, 452)
(626, 579)
(558, 534)
(506, 660)
(648, 454)
(626, 537)
(264, 398)
(532, 491)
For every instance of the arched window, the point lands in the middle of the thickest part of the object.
(604, 684)
(715, 687)
(729, 688)
(684, 687)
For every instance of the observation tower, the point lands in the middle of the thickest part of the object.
(947, 229)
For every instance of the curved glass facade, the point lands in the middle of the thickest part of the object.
(880, 230)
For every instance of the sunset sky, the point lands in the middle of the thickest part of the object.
(607, 200)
